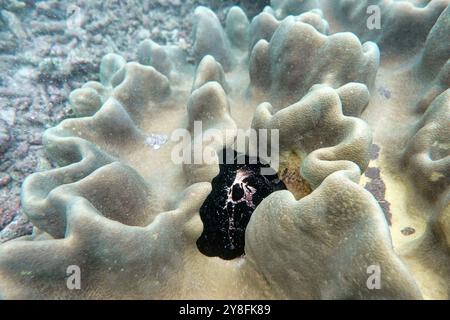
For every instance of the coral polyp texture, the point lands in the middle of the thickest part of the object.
(361, 118)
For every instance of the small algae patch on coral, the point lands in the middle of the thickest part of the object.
(377, 187)
(291, 176)
(236, 192)
(375, 184)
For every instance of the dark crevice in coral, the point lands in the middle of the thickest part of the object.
(236, 192)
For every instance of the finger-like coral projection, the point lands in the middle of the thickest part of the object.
(264, 25)
(318, 223)
(288, 7)
(277, 73)
(398, 25)
(433, 68)
(177, 221)
(427, 161)
(427, 155)
(408, 115)
(301, 130)
(403, 24)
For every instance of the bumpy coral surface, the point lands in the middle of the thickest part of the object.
(130, 217)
